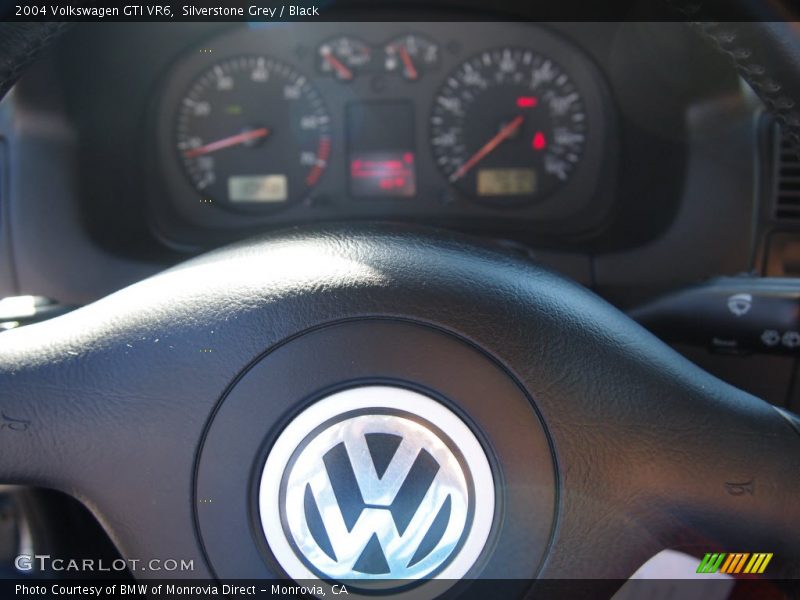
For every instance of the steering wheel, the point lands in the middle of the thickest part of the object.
(276, 407)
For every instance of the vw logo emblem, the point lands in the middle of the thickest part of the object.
(379, 486)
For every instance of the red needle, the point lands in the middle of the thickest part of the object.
(409, 64)
(493, 143)
(338, 65)
(234, 140)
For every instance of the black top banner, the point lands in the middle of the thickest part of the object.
(266, 11)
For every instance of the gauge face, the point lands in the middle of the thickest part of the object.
(411, 55)
(343, 57)
(252, 132)
(508, 126)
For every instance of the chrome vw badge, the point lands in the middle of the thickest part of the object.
(377, 484)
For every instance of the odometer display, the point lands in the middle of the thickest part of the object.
(508, 125)
(506, 182)
(251, 131)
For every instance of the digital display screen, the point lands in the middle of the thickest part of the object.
(506, 182)
(258, 188)
(381, 149)
(382, 174)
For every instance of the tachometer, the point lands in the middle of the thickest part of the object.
(508, 125)
(251, 131)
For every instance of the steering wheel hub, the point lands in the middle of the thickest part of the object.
(377, 484)
(383, 467)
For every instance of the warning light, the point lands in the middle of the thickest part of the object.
(539, 141)
(527, 101)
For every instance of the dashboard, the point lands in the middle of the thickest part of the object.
(626, 156)
(504, 123)
(620, 154)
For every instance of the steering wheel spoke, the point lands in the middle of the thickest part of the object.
(95, 404)
(681, 460)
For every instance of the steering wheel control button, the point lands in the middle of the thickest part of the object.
(791, 339)
(740, 304)
(380, 486)
(738, 315)
(770, 338)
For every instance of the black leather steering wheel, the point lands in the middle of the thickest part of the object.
(157, 405)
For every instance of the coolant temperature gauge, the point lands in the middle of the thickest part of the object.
(411, 55)
(343, 57)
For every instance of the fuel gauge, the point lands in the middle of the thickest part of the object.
(411, 55)
(343, 57)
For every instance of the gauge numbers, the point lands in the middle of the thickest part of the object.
(508, 126)
(251, 131)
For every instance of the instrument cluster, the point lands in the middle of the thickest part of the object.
(471, 124)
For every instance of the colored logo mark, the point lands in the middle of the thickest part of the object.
(737, 562)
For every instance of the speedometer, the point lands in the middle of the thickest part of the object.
(251, 131)
(508, 126)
